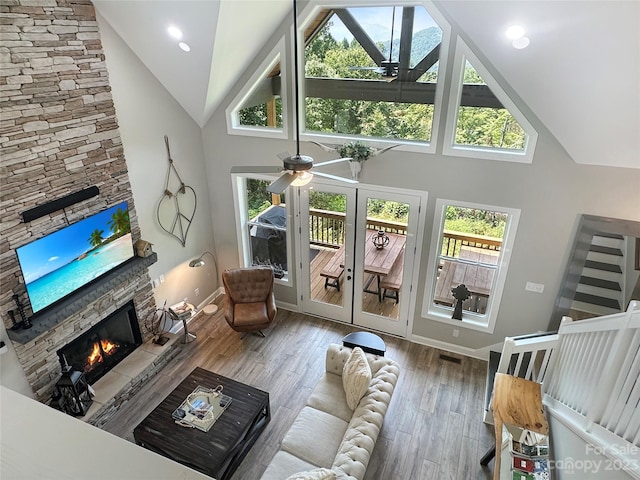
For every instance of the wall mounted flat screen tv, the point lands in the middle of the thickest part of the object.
(60, 263)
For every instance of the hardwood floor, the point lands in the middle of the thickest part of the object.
(433, 428)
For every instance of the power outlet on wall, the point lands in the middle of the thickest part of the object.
(456, 332)
(197, 292)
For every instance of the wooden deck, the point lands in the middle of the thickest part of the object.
(387, 308)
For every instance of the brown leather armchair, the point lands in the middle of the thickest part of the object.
(249, 304)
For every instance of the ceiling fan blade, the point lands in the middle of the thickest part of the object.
(279, 185)
(329, 162)
(255, 169)
(334, 177)
(284, 155)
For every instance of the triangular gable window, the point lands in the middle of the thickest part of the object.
(257, 109)
(483, 122)
(377, 80)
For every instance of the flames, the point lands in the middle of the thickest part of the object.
(106, 347)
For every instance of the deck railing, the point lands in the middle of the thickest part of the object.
(326, 228)
(453, 241)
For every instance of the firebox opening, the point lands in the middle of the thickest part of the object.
(106, 344)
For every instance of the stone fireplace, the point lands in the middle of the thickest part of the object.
(59, 136)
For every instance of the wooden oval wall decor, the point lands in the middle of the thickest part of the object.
(176, 209)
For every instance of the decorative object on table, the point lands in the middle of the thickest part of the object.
(181, 311)
(529, 452)
(357, 151)
(157, 324)
(380, 239)
(176, 209)
(73, 391)
(25, 322)
(201, 408)
(212, 308)
(143, 248)
(460, 293)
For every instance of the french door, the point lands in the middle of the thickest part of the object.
(345, 276)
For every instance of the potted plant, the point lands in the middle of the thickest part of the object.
(358, 152)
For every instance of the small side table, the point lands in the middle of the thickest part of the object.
(367, 341)
(518, 402)
(187, 337)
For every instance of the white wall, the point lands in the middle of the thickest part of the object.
(71, 449)
(146, 113)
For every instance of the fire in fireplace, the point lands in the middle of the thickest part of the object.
(106, 344)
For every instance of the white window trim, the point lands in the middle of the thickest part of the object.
(233, 119)
(240, 204)
(486, 322)
(462, 54)
(309, 13)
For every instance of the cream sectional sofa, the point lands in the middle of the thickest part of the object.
(328, 439)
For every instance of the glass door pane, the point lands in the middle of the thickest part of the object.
(384, 256)
(327, 250)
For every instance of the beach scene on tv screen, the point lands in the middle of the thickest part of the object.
(59, 263)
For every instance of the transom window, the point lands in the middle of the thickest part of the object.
(372, 72)
(376, 73)
(482, 121)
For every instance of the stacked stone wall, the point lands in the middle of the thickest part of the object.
(58, 135)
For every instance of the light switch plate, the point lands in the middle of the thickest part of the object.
(534, 287)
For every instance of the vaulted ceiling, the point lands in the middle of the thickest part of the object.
(580, 74)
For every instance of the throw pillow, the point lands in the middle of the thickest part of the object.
(317, 474)
(356, 377)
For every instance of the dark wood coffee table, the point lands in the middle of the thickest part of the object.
(219, 451)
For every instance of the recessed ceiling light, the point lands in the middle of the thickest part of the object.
(184, 47)
(514, 32)
(175, 32)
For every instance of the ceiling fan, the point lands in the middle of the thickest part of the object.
(388, 69)
(296, 168)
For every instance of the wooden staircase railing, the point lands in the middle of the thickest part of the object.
(590, 372)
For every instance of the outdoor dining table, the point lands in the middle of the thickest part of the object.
(477, 277)
(379, 261)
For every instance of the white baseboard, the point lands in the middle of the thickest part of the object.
(480, 353)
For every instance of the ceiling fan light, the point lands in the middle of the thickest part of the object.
(302, 178)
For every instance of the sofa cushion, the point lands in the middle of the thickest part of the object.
(284, 464)
(356, 377)
(315, 437)
(328, 396)
(315, 474)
